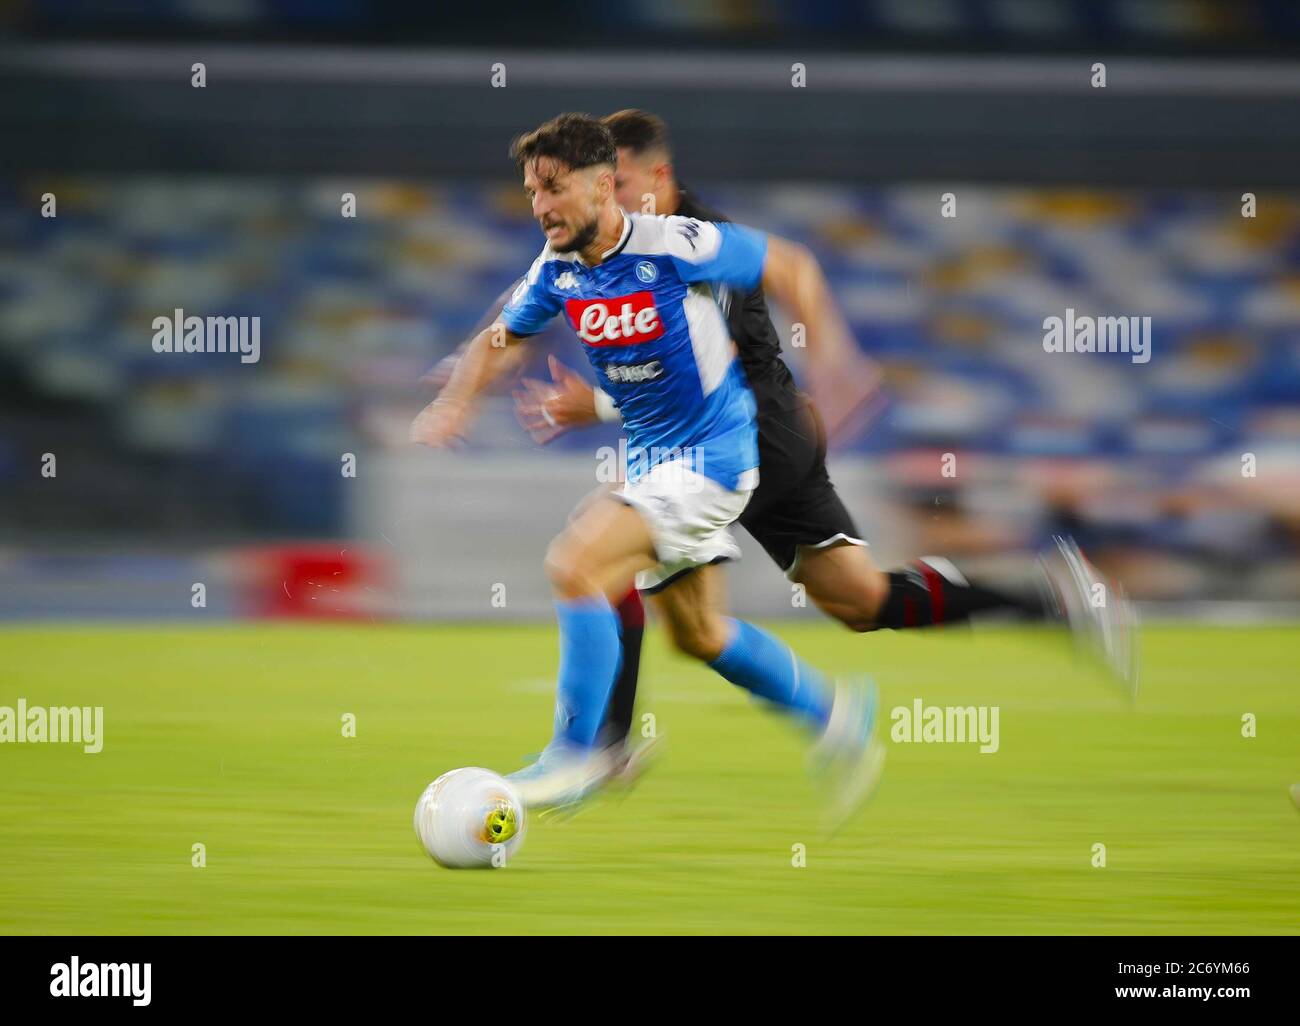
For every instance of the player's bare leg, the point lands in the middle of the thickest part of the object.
(844, 583)
(841, 715)
(600, 552)
(691, 610)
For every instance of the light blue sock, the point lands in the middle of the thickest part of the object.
(765, 665)
(590, 653)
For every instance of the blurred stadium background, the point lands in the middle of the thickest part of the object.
(226, 200)
(223, 722)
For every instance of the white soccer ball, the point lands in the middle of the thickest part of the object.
(470, 818)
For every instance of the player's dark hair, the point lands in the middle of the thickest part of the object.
(638, 131)
(574, 140)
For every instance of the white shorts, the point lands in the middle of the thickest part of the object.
(688, 515)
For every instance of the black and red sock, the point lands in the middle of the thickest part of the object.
(931, 592)
(622, 702)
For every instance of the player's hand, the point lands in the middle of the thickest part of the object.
(547, 409)
(440, 423)
(848, 396)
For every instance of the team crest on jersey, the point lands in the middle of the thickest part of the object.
(567, 280)
(647, 271)
(616, 321)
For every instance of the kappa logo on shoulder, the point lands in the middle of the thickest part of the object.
(690, 231)
(567, 280)
(617, 321)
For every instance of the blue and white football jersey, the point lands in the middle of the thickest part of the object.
(649, 322)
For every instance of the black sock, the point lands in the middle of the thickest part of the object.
(923, 595)
(622, 702)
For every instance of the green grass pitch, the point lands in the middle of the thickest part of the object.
(231, 737)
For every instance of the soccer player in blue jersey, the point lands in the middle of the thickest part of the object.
(796, 514)
(640, 292)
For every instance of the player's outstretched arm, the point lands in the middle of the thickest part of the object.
(440, 373)
(437, 377)
(843, 380)
(484, 360)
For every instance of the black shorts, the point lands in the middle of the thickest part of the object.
(795, 503)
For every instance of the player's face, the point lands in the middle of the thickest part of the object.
(566, 202)
(635, 181)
